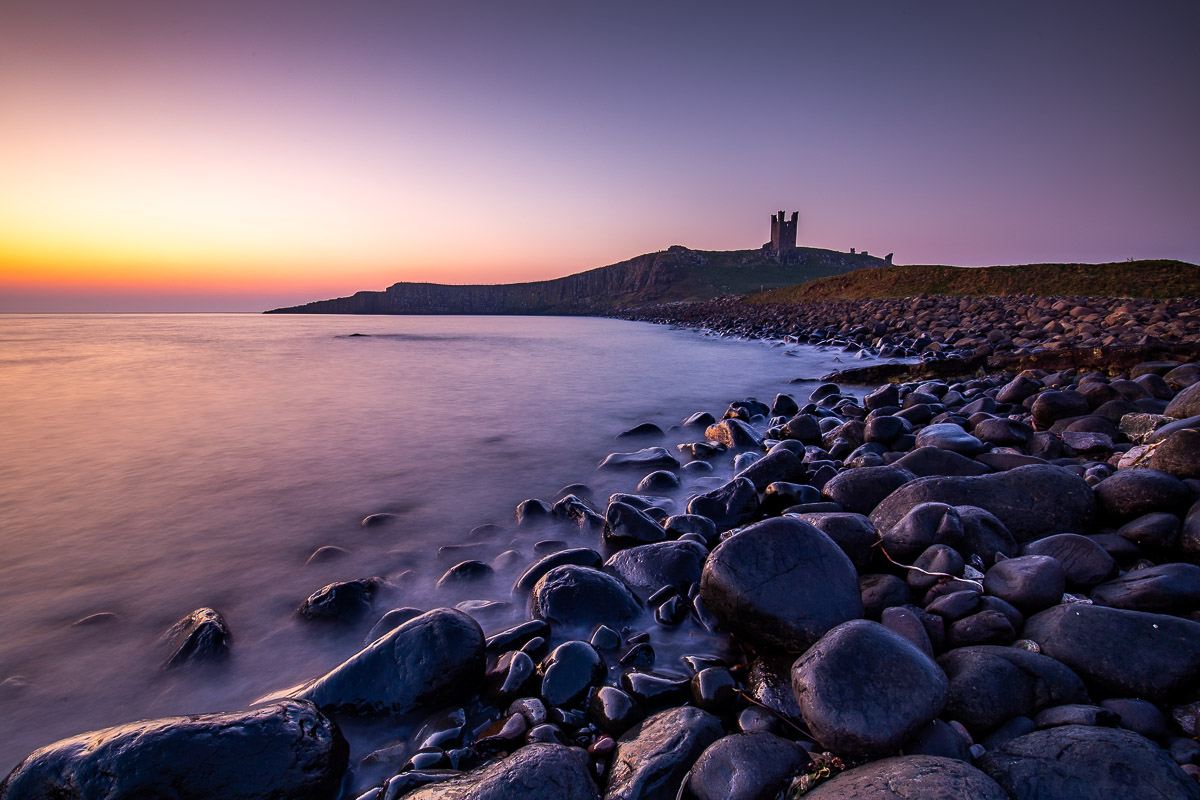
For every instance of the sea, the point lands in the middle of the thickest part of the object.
(153, 464)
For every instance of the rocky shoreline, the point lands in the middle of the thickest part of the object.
(980, 582)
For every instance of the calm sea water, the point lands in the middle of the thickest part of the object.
(153, 464)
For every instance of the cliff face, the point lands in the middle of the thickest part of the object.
(667, 276)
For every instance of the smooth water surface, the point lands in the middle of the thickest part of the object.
(154, 464)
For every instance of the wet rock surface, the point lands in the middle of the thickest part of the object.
(652, 759)
(910, 777)
(286, 749)
(537, 771)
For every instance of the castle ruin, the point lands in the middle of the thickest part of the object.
(783, 234)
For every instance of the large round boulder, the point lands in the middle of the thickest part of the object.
(649, 567)
(1033, 501)
(534, 772)
(286, 750)
(582, 597)
(910, 778)
(432, 660)
(653, 757)
(1076, 762)
(860, 490)
(746, 766)
(864, 690)
(1120, 653)
(780, 583)
(990, 685)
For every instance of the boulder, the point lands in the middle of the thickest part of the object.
(652, 758)
(648, 458)
(860, 490)
(649, 567)
(990, 685)
(577, 556)
(345, 601)
(1076, 762)
(287, 750)
(1178, 454)
(1129, 493)
(924, 525)
(1032, 502)
(1030, 583)
(913, 777)
(1163, 589)
(1120, 653)
(1185, 404)
(746, 766)
(780, 583)
(928, 461)
(1084, 562)
(778, 465)
(582, 597)
(734, 434)
(202, 635)
(538, 771)
(984, 535)
(854, 533)
(948, 436)
(625, 525)
(728, 505)
(854, 707)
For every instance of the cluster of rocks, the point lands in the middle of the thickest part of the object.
(984, 589)
(979, 326)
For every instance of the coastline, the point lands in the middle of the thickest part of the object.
(664, 570)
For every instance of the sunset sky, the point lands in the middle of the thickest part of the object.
(238, 155)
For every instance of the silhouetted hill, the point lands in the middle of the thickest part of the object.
(675, 274)
(1160, 278)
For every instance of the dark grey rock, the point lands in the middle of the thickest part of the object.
(1030, 583)
(659, 481)
(464, 573)
(286, 750)
(939, 739)
(984, 535)
(1079, 763)
(1156, 531)
(746, 766)
(582, 597)
(929, 461)
(1004, 432)
(539, 771)
(613, 711)
(860, 490)
(1084, 562)
(1163, 589)
(1120, 652)
(651, 566)
(577, 556)
(882, 591)
(569, 672)
(1074, 714)
(646, 458)
(1140, 716)
(652, 758)
(1185, 404)
(922, 526)
(645, 430)
(734, 434)
(948, 436)
(780, 583)
(769, 683)
(1129, 493)
(626, 526)
(344, 601)
(981, 628)
(779, 465)
(1032, 501)
(854, 533)
(990, 685)
(1051, 406)
(855, 708)
(431, 660)
(781, 495)
(201, 636)
(728, 505)
(910, 777)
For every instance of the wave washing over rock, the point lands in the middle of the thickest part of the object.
(981, 587)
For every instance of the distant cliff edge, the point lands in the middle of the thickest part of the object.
(675, 274)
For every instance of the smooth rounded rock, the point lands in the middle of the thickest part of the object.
(934, 461)
(729, 505)
(1031, 501)
(913, 777)
(582, 597)
(286, 750)
(854, 533)
(652, 759)
(1076, 762)
(854, 707)
(746, 766)
(1030, 583)
(860, 490)
(1130, 493)
(649, 567)
(923, 526)
(538, 771)
(1162, 589)
(433, 659)
(781, 583)
(1084, 562)
(201, 636)
(948, 436)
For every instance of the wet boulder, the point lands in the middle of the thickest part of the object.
(344, 601)
(990, 685)
(1032, 502)
(1118, 652)
(1129, 493)
(651, 566)
(734, 434)
(929, 460)
(1162, 589)
(202, 635)
(855, 708)
(577, 556)
(746, 766)
(286, 749)
(1030, 583)
(984, 535)
(728, 505)
(569, 672)
(538, 771)
(431, 660)
(1077, 762)
(780, 583)
(854, 533)
(625, 525)
(652, 758)
(648, 458)
(778, 465)
(948, 436)
(1185, 404)
(908, 778)
(923, 526)
(860, 490)
(582, 597)
(1084, 562)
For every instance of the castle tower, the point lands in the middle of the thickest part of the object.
(783, 233)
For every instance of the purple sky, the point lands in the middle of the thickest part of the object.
(236, 155)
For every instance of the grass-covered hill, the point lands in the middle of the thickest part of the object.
(1160, 278)
(675, 274)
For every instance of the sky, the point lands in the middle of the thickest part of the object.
(232, 155)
